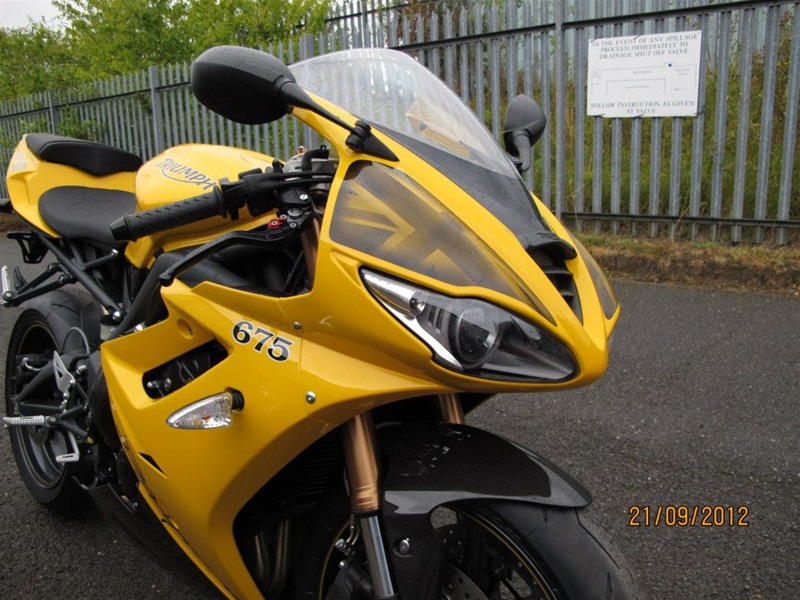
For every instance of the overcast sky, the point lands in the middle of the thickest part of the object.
(15, 13)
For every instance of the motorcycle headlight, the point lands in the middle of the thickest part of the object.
(473, 336)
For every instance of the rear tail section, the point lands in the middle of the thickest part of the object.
(42, 162)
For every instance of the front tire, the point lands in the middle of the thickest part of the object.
(37, 333)
(575, 557)
(496, 550)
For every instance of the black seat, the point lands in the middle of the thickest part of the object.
(96, 159)
(81, 212)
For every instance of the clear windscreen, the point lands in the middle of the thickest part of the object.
(394, 92)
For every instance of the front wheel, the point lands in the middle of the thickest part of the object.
(497, 550)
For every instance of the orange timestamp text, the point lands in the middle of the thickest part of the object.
(672, 515)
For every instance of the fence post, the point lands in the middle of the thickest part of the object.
(155, 102)
(561, 107)
(790, 128)
(363, 24)
(51, 109)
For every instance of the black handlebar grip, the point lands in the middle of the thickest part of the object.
(169, 216)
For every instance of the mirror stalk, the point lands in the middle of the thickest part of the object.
(360, 139)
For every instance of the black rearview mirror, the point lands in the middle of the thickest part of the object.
(242, 84)
(524, 124)
(246, 85)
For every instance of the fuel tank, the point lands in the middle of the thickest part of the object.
(182, 172)
(191, 169)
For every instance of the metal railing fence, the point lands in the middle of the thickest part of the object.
(732, 172)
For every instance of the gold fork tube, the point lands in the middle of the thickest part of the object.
(361, 460)
(450, 407)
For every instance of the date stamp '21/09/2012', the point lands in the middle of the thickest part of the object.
(672, 515)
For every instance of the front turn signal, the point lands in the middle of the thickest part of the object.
(209, 413)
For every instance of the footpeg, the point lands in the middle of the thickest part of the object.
(5, 280)
(41, 420)
(70, 457)
(32, 421)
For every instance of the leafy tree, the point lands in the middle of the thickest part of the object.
(251, 22)
(110, 37)
(33, 58)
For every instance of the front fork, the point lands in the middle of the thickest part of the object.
(362, 464)
(363, 475)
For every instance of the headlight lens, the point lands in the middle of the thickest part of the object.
(473, 336)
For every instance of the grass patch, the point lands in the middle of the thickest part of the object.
(764, 268)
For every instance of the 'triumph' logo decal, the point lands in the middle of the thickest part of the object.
(177, 172)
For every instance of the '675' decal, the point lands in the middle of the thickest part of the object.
(262, 340)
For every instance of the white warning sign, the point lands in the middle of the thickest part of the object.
(644, 75)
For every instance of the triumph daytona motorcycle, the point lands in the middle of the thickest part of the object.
(264, 366)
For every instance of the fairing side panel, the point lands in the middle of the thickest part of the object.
(198, 481)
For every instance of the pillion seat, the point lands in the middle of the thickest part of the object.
(91, 157)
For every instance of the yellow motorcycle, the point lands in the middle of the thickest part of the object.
(266, 365)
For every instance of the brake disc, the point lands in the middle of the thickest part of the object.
(457, 586)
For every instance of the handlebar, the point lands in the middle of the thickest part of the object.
(139, 224)
(260, 192)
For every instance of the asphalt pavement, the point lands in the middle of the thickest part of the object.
(699, 410)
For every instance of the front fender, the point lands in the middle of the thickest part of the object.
(428, 465)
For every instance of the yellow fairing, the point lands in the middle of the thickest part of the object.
(198, 480)
(587, 339)
(344, 351)
(28, 178)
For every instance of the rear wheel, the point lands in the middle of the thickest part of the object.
(34, 338)
(497, 550)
